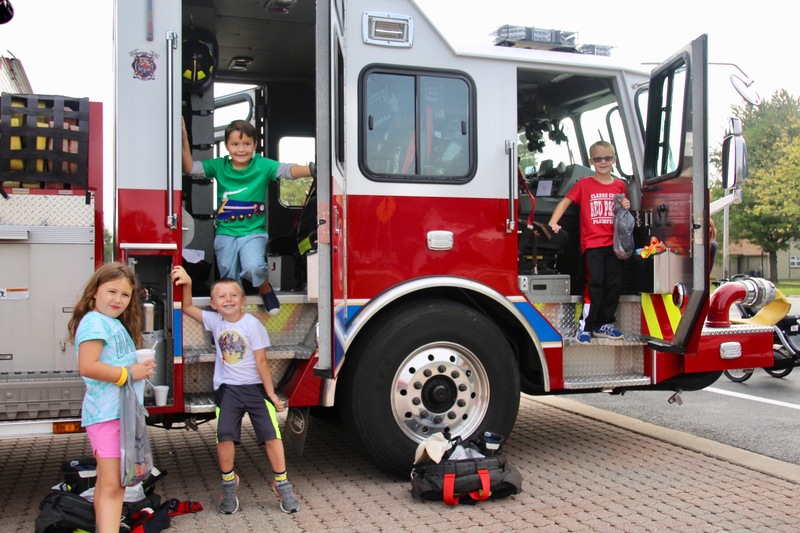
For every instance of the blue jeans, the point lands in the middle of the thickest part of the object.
(242, 257)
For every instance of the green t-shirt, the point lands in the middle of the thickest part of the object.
(247, 186)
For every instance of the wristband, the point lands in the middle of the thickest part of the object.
(123, 378)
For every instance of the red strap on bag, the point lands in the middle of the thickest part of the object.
(479, 495)
(485, 490)
(447, 491)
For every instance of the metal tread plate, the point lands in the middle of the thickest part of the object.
(296, 351)
(56, 209)
(605, 382)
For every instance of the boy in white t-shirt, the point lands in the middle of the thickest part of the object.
(242, 384)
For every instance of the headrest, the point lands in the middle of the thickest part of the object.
(545, 167)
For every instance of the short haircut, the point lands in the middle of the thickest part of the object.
(226, 280)
(242, 126)
(603, 144)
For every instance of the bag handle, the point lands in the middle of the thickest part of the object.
(485, 491)
(479, 495)
(447, 489)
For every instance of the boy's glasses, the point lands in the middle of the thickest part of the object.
(607, 159)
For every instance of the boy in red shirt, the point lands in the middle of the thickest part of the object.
(595, 195)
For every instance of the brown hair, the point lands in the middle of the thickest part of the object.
(242, 126)
(131, 318)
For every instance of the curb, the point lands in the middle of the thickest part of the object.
(753, 461)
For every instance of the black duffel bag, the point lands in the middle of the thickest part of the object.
(466, 481)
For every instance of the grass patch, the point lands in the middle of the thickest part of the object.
(789, 287)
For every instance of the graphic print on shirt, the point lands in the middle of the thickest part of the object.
(233, 346)
(602, 207)
(123, 344)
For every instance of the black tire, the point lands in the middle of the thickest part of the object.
(324, 413)
(431, 366)
(779, 373)
(738, 375)
(784, 362)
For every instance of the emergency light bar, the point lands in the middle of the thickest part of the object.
(545, 39)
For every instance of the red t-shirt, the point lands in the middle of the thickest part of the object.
(597, 210)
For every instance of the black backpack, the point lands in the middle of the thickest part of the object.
(64, 510)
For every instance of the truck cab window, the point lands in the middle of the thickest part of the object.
(417, 127)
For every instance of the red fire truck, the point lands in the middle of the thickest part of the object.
(420, 291)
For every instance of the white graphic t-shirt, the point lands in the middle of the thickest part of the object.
(235, 342)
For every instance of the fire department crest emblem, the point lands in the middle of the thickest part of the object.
(144, 65)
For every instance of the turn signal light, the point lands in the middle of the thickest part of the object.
(68, 427)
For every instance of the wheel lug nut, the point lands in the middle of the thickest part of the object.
(442, 369)
(423, 414)
(455, 374)
(427, 373)
(437, 419)
(462, 387)
(451, 415)
(461, 403)
(417, 385)
(417, 401)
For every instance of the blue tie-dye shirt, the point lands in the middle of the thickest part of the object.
(101, 402)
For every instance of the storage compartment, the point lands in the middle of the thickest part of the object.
(545, 288)
(283, 272)
(44, 141)
(36, 396)
(41, 276)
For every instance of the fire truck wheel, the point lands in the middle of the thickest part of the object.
(430, 366)
(738, 375)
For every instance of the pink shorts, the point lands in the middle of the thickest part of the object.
(104, 438)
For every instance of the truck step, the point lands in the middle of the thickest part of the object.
(295, 351)
(202, 402)
(606, 382)
(604, 364)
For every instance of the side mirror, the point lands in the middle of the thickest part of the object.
(734, 156)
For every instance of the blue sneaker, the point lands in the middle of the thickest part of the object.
(584, 337)
(271, 303)
(607, 331)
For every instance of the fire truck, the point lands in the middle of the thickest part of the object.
(421, 290)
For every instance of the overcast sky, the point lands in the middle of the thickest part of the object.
(66, 46)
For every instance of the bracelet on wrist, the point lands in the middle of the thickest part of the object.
(123, 377)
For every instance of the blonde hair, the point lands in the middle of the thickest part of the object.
(226, 280)
(603, 144)
(131, 318)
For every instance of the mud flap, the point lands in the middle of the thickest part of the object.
(296, 429)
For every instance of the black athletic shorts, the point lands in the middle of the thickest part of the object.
(233, 401)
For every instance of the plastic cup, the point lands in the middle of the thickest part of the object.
(144, 354)
(161, 394)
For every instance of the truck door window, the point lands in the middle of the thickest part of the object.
(416, 126)
(298, 150)
(671, 93)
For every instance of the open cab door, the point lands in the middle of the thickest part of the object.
(675, 190)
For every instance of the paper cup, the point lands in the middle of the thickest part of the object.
(161, 393)
(144, 354)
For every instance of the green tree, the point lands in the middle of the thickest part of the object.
(107, 245)
(770, 212)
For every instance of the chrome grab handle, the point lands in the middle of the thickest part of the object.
(172, 45)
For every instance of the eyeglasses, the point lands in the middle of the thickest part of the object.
(607, 159)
